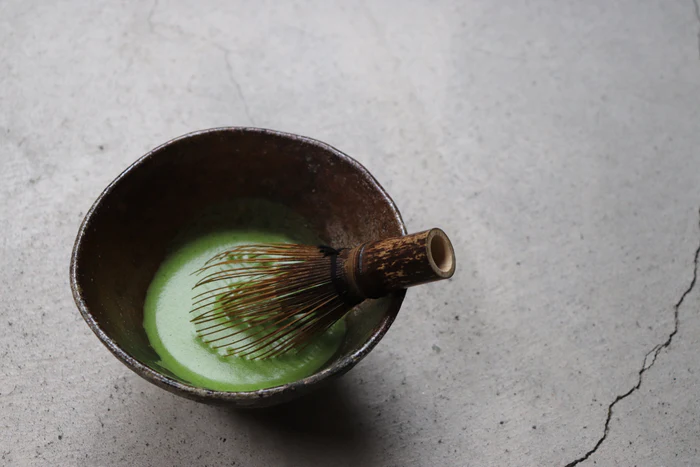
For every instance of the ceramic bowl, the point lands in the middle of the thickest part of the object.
(126, 235)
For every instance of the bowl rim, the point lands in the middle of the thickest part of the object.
(202, 394)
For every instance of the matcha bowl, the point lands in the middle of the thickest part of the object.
(225, 178)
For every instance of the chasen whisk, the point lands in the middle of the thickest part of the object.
(263, 300)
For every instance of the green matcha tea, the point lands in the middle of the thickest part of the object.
(174, 337)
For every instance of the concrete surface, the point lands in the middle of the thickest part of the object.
(558, 142)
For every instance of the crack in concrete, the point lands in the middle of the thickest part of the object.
(648, 362)
(696, 7)
(233, 79)
(149, 18)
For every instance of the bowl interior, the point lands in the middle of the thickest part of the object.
(230, 177)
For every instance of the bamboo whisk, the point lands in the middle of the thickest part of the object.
(260, 301)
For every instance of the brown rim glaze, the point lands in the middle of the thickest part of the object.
(93, 293)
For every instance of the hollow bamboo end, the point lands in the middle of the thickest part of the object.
(441, 253)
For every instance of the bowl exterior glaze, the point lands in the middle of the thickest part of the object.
(125, 235)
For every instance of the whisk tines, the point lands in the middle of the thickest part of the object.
(259, 301)
(263, 300)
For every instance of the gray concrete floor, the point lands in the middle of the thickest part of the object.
(558, 142)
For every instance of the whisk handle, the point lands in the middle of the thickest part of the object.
(377, 268)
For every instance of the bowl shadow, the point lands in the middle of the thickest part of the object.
(326, 428)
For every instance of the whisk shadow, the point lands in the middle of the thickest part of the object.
(325, 423)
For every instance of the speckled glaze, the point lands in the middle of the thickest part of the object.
(124, 237)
